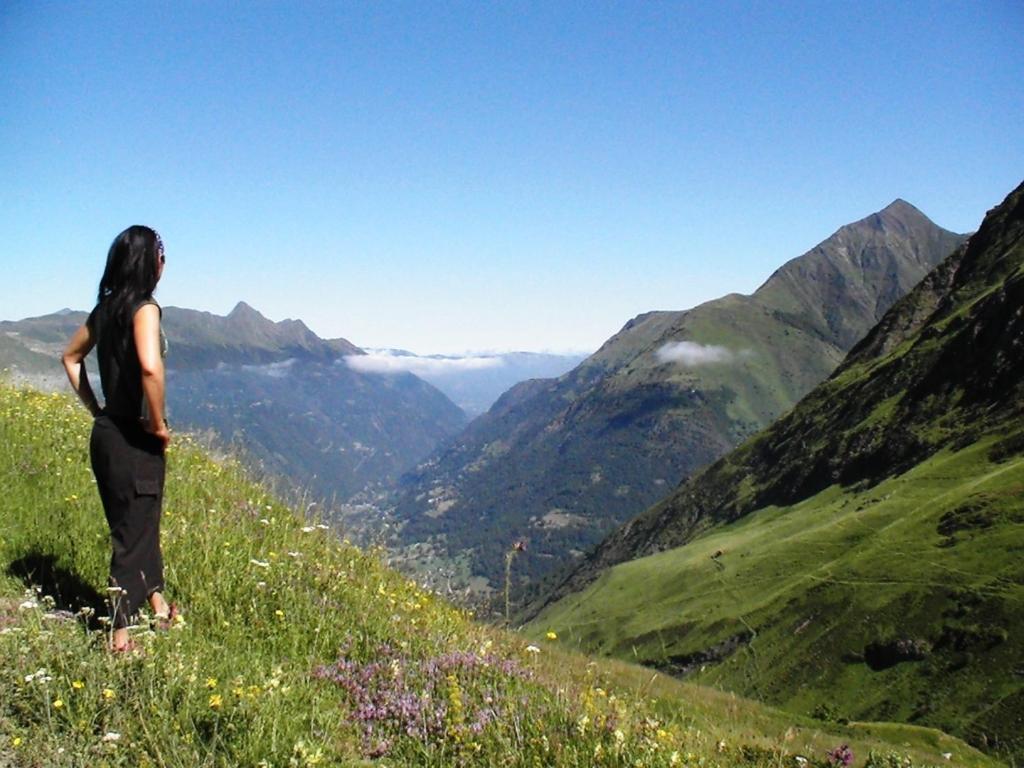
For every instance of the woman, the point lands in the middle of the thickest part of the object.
(129, 434)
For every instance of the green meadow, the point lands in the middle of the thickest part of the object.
(900, 602)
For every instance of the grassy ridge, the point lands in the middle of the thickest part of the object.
(298, 649)
(805, 606)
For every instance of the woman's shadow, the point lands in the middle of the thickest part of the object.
(71, 593)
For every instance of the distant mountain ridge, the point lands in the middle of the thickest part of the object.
(276, 391)
(244, 336)
(561, 462)
(200, 339)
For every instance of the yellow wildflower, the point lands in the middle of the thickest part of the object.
(211, 682)
(78, 685)
(108, 694)
(215, 701)
(582, 723)
(551, 635)
(57, 704)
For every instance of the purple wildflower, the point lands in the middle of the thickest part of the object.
(397, 696)
(841, 756)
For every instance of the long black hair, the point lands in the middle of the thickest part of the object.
(131, 273)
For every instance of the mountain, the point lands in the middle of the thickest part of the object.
(561, 462)
(244, 336)
(862, 555)
(472, 381)
(276, 391)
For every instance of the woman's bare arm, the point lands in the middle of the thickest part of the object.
(78, 347)
(146, 327)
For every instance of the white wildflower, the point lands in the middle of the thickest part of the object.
(260, 563)
(111, 736)
(40, 675)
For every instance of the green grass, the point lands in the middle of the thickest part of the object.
(272, 602)
(930, 555)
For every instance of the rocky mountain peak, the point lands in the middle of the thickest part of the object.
(246, 312)
(900, 207)
(898, 218)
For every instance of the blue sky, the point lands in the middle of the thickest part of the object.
(469, 176)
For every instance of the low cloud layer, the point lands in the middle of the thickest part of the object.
(692, 354)
(389, 362)
(276, 370)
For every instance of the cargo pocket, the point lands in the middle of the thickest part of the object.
(149, 474)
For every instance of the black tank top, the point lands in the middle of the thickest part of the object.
(120, 371)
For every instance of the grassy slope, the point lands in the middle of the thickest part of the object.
(820, 581)
(269, 600)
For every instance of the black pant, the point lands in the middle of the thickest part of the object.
(129, 466)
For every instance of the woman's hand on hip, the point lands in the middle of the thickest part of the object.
(163, 434)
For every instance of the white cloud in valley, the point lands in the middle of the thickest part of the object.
(276, 370)
(692, 354)
(386, 361)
